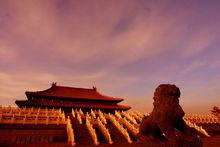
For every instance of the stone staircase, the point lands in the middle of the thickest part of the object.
(100, 136)
(116, 135)
(83, 137)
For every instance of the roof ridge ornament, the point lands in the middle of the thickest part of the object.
(94, 88)
(54, 84)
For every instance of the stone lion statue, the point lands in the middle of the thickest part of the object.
(165, 122)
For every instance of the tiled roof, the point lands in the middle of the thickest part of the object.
(71, 105)
(73, 93)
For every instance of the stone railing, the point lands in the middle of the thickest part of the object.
(80, 112)
(117, 114)
(88, 116)
(139, 114)
(30, 111)
(130, 118)
(18, 119)
(130, 127)
(73, 113)
(120, 128)
(104, 131)
(136, 116)
(102, 117)
(92, 131)
(202, 119)
(31, 116)
(79, 118)
(93, 114)
(198, 128)
(71, 140)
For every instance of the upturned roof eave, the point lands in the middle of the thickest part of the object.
(29, 94)
(117, 107)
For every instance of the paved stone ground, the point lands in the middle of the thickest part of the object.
(213, 141)
(207, 142)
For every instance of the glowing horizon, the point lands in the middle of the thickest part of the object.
(125, 49)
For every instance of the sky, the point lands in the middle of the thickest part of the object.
(125, 48)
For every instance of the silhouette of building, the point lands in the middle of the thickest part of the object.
(67, 98)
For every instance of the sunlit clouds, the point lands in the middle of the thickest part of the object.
(125, 49)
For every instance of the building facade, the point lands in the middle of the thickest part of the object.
(68, 98)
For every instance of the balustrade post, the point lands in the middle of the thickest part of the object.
(80, 112)
(78, 116)
(36, 119)
(73, 113)
(58, 120)
(24, 120)
(70, 132)
(47, 120)
(93, 114)
(12, 119)
(92, 131)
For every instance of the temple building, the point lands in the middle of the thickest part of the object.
(67, 98)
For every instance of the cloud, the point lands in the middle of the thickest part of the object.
(200, 65)
(14, 85)
(7, 54)
(76, 36)
(199, 42)
(118, 46)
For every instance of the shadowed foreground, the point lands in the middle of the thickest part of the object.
(207, 142)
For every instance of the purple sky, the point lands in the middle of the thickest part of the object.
(125, 48)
